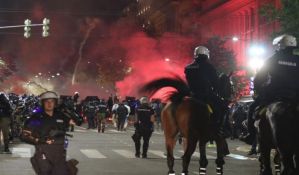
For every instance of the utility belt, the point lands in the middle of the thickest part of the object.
(143, 127)
(141, 132)
(60, 139)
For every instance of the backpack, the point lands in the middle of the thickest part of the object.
(122, 111)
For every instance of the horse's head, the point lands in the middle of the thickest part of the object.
(226, 87)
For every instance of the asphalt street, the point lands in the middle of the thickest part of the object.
(112, 153)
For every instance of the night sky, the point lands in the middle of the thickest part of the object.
(70, 21)
(113, 52)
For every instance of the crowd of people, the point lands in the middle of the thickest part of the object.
(31, 119)
(98, 113)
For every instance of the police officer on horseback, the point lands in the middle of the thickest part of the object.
(277, 79)
(144, 126)
(46, 130)
(201, 76)
(203, 82)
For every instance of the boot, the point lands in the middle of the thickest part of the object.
(137, 155)
(144, 156)
(6, 149)
(248, 139)
(73, 170)
(137, 149)
(252, 152)
(72, 128)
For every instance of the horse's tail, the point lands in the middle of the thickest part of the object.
(182, 89)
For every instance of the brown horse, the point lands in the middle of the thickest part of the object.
(192, 119)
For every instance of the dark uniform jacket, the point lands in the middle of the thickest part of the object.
(42, 127)
(5, 107)
(144, 113)
(102, 108)
(48, 159)
(202, 78)
(279, 75)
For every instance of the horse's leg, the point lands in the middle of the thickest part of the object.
(170, 132)
(203, 161)
(221, 145)
(170, 144)
(261, 164)
(191, 146)
(288, 164)
(265, 159)
(277, 163)
(283, 137)
(297, 160)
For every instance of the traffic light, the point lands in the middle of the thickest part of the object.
(46, 27)
(27, 28)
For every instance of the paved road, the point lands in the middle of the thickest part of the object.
(112, 153)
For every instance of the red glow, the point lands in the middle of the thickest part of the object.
(147, 57)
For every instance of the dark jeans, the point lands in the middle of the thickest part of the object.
(90, 120)
(254, 144)
(146, 135)
(121, 123)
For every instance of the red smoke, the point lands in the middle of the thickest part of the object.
(117, 46)
(151, 59)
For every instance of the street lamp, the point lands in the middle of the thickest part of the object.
(256, 51)
(256, 63)
(256, 59)
(235, 39)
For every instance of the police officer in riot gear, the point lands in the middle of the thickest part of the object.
(101, 114)
(278, 78)
(76, 97)
(203, 82)
(201, 75)
(144, 126)
(47, 131)
(5, 120)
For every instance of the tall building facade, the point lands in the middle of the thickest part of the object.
(239, 20)
(228, 19)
